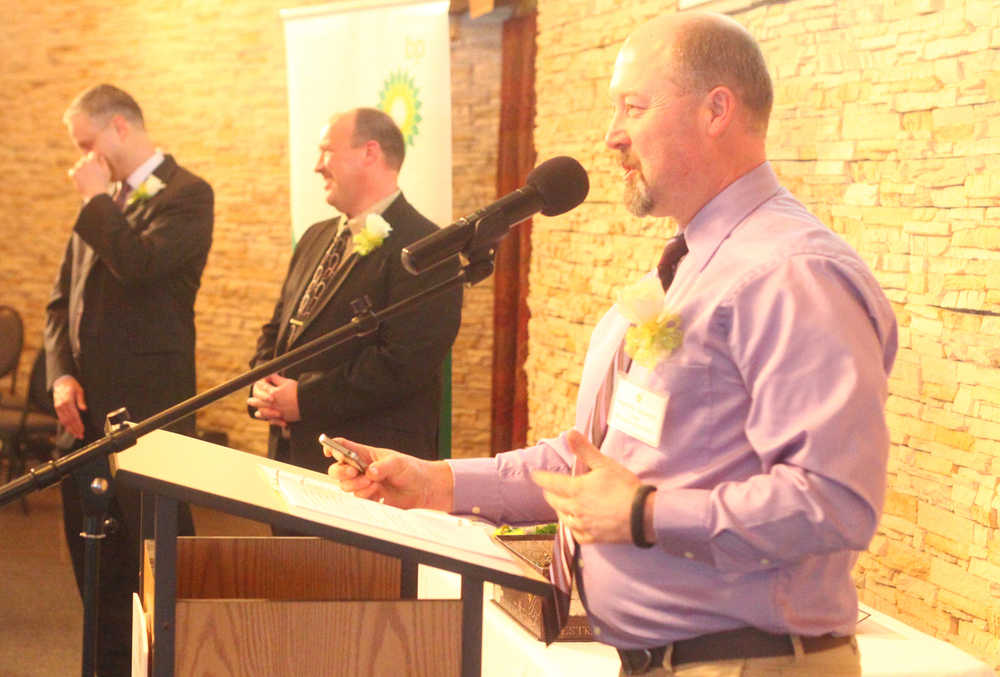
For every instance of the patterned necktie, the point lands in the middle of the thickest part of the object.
(121, 195)
(555, 611)
(321, 278)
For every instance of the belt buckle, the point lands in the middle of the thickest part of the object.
(636, 661)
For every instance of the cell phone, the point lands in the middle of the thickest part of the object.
(343, 455)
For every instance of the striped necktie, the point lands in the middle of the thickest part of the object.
(565, 554)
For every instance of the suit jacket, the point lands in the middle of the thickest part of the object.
(382, 389)
(121, 314)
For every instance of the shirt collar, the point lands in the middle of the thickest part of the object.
(143, 171)
(722, 214)
(357, 223)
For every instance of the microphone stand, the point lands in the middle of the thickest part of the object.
(120, 434)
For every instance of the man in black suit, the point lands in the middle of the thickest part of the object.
(383, 387)
(119, 325)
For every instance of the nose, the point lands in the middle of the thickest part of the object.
(319, 164)
(616, 138)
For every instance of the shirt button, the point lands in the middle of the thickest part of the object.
(597, 632)
(475, 509)
(689, 555)
(765, 561)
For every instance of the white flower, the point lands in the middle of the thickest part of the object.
(371, 236)
(641, 301)
(655, 331)
(146, 190)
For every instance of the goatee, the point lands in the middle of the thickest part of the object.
(638, 201)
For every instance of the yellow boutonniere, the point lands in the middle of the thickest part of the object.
(372, 235)
(145, 190)
(655, 331)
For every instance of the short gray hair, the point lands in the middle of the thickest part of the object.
(709, 53)
(103, 101)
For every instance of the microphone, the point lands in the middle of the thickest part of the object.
(552, 188)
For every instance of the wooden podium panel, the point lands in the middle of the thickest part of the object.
(282, 568)
(287, 607)
(237, 638)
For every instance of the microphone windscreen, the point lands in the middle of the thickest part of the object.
(562, 183)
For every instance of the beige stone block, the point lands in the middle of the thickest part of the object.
(979, 238)
(926, 227)
(958, 580)
(901, 505)
(953, 196)
(944, 522)
(931, 463)
(867, 123)
(861, 194)
(922, 616)
(903, 526)
(943, 544)
(987, 429)
(937, 391)
(930, 327)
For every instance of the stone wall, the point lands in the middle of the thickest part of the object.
(886, 124)
(210, 76)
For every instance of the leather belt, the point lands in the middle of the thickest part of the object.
(725, 645)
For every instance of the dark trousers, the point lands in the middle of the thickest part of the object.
(120, 564)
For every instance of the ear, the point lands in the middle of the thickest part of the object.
(720, 106)
(373, 152)
(121, 125)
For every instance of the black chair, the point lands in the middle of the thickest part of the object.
(11, 344)
(29, 429)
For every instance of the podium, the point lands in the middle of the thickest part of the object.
(171, 468)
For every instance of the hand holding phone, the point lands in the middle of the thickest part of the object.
(343, 455)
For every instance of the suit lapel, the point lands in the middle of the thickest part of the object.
(136, 209)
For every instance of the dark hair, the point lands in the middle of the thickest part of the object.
(371, 124)
(709, 53)
(100, 102)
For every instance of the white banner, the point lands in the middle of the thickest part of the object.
(392, 55)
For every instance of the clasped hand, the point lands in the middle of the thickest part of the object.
(276, 400)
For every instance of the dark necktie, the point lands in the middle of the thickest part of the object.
(673, 252)
(321, 278)
(555, 612)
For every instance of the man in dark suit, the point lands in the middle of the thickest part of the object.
(382, 387)
(120, 322)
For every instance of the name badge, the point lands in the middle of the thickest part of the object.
(638, 412)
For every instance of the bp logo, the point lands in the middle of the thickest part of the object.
(399, 98)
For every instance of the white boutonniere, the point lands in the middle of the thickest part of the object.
(372, 235)
(655, 331)
(145, 190)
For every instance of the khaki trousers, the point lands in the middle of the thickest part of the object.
(841, 661)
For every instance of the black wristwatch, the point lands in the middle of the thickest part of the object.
(639, 515)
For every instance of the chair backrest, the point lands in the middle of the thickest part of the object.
(11, 343)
